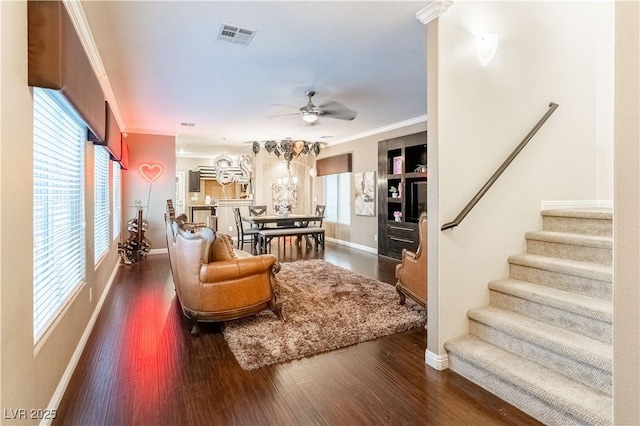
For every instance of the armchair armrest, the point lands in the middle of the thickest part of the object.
(237, 268)
(409, 255)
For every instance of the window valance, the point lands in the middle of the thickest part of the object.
(113, 136)
(334, 165)
(58, 61)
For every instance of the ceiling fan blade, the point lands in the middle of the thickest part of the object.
(288, 106)
(283, 115)
(331, 105)
(337, 110)
(343, 114)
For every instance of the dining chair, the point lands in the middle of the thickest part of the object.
(243, 234)
(257, 210)
(320, 208)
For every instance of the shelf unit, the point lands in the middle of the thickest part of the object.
(402, 187)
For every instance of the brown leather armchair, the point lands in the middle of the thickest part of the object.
(211, 290)
(412, 272)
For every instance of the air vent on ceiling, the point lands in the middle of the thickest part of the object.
(187, 124)
(236, 34)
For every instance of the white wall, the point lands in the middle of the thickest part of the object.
(546, 53)
(626, 220)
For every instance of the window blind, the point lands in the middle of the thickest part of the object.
(59, 137)
(100, 202)
(331, 197)
(344, 208)
(117, 201)
(337, 197)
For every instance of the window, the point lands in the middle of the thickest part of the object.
(59, 136)
(100, 202)
(116, 208)
(337, 197)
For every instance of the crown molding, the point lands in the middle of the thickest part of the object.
(155, 132)
(79, 20)
(433, 10)
(394, 126)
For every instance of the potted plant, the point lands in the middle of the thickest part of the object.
(394, 191)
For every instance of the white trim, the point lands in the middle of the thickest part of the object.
(79, 20)
(433, 10)
(352, 245)
(394, 126)
(433, 360)
(146, 131)
(73, 362)
(576, 204)
(153, 252)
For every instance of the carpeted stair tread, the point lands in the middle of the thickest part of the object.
(564, 266)
(587, 213)
(572, 345)
(583, 221)
(591, 307)
(586, 404)
(571, 238)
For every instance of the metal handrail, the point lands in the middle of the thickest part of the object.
(471, 204)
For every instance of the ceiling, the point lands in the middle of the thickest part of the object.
(165, 66)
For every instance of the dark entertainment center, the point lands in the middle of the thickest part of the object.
(402, 192)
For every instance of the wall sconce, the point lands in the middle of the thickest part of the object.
(487, 45)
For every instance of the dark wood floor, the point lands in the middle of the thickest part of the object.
(141, 366)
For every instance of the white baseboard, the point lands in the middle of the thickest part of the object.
(158, 251)
(352, 245)
(433, 360)
(73, 362)
(576, 204)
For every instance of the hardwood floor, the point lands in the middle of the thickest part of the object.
(141, 366)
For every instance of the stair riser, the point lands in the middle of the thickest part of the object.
(587, 286)
(514, 394)
(600, 227)
(587, 326)
(597, 255)
(551, 358)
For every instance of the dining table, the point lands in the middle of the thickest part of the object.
(299, 220)
(291, 220)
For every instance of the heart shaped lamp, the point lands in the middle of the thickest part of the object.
(150, 171)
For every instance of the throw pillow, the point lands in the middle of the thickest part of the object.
(221, 249)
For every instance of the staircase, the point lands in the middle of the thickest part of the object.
(544, 342)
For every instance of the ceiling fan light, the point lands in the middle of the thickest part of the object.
(309, 117)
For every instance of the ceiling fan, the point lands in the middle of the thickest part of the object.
(331, 109)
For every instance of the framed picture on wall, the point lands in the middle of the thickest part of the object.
(364, 193)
